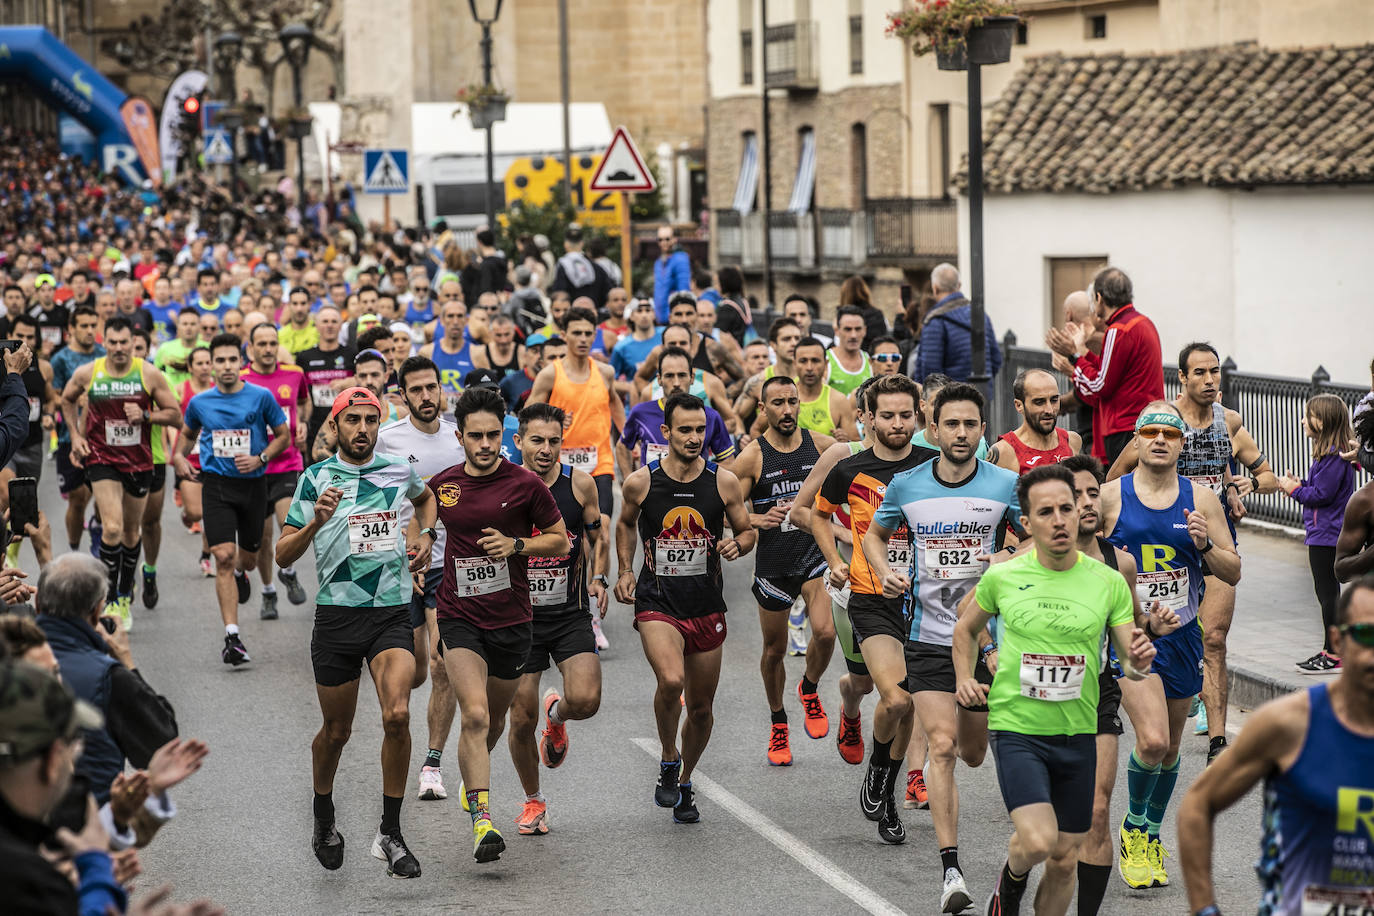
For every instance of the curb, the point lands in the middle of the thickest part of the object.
(1251, 688)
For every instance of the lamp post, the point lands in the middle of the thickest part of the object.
(485, 13)
(296, 40)
(227, 48)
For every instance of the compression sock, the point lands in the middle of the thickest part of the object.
(779, 716)
(807, 686)
(391, 815)
(128, 567)
(1159, 797)
(882, 753)
(111, 555)
(324, 806)
(1092, 887)
(949, 858)
(150, 568)
(432, 758)
(1140, 783)
(1011, 888)
(478, 805)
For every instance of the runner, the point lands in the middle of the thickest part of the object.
(484, 611)
(846, 363)
(452, 353)
(150, 524)
(1315, 752)
(824, 410)
(677, 508)
(1355, 547)
(124, 398)
(644, 441)
(788, 565)
(370, 371)
(502, 352)
(171, 357)
(1169, 525)
(704, 384)
(633, 347)
(38, 385)
(429, 442)
(878, 622)
(1038, 440)
(288, 386)
(328, 368)
(707, 354)
(926, 437)
(783, 335)
(1055, 608)
(956, 509)
(231, 423)
(202, 379)
(81, 349)
(348, 508)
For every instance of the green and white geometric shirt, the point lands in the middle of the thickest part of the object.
(360, 553)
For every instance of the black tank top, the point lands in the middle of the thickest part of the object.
(558, 588)
(786, 550)
(505, 368)
(680, 525)
(35, 387)
(1111, 668)
(1108, 551)
(702, 359)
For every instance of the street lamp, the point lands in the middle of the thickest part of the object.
(296, 40)
(485, 13)
(227, 49)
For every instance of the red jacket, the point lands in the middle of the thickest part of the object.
(1126, 376)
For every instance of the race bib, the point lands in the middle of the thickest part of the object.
(1057, 678)
(50, 335)
(680, 557)
(1167, 586)
(35, 409)
(899, 553)
(473, 576)
(322, 395)
(582, 459)
(838, 595)
(231, 443)
(548, 587)
(123, 434)
(787, 525)
(372, 532)
(1337, 901)
(653, 451)
(1212, 482)
(953, 558)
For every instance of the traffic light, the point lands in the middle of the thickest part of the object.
(190, 115)
(186, 130)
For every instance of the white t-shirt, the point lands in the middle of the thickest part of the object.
(428, 455)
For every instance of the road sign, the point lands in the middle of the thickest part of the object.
(532, 179)
(386, 171)
(219, 149)
(622, 168)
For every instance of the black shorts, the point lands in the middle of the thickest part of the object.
(605, 496)
(779, 593)
(69, 476)
(559, 640)
(1108, 705)
(159, 479)
(981, 674)
(344, 636)
(874, 615)
(28, 461)
(425, 598)
(135, 483)
(504, 649)
(1060, 770)
(281, 486)
(233, 508)
(931, 667)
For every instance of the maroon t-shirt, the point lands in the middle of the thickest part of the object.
(489, 593)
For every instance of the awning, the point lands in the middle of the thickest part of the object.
(746, 189)
(806, 175)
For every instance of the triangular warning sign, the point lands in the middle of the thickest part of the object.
(622, 168)
(218, 148)
(386, 174)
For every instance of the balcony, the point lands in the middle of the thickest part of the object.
(900, 228)
(791, 59)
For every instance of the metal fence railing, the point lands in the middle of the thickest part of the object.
(1272, 407)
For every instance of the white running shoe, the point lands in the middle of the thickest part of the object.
(955, 897)
(431, 784)
(601, 641)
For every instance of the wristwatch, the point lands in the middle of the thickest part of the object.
(433, 535)
(1207, 548)
(602, 579)
(519, 546)
(262, 457)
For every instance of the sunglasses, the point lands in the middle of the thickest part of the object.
(1170, 434)
(887, 357)
(1362, 633)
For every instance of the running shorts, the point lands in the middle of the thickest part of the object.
(233, 508)
(844, 635)
(931, 667)
(504, 649)
(344, 636)
(559, 640)
(1178, 661)
(28, 461)
(1056, 769)
(159, 480)
(699, 634)
(69, 476)
(981, 674)
(428, 597)
(135, 483)
(281, 486)
(779, 593)
(1108, 705)
(605, 495)
(874, 615)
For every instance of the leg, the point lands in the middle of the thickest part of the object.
(773, 625)
(822, 645)
(130, 541)
(467, 672)
(1328, 589)
(1217, 609)
(225, 589)
(420, 636)
(935, 710)
(1096, 853)
(109, 502)
(265, 556)
(1056, 886)
(524, 719)
(392, 671)
(581, 686)
(337, 704)
(702, 675)
(1144, 703)
(1168, 772)
(887, 667)
(152, 527)
(971, 735)
(443, 702)
(131, 508)
(77, 500)
(853, 688)
(663, 647)
(190, 501)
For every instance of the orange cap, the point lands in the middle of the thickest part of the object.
(352, 397)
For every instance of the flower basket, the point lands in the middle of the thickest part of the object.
(956, 59)
(990, 43)
(299, 128)
(483, 116)
(957, 31)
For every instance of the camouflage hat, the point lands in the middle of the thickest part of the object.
(35, 710)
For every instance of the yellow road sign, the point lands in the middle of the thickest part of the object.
(533, 179)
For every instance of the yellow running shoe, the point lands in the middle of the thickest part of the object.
(487, 844)
(1133, 862)
(126, 612)
(463, 797)
(1155, 853)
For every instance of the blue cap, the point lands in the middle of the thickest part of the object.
(535, 340)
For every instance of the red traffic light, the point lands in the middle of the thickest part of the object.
(191, 105)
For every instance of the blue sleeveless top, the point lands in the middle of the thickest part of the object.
(1169, 564)
(1319, 820)
(453, 367)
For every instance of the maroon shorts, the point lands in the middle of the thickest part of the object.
(699, 634)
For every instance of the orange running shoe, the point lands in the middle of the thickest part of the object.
(553, 742)
(779, 754)
(533, 819)
(817, 723)
(916, 791)
(851, 739)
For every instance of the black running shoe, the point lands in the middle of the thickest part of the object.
(295, 593)
(245, 587)
(890, 829)
(268, 611)
(233, 652)
(873, 791)
(328, 844)
(665, 793)
(149, 589)
(685, 811)
(400, 862)
(1215, 748)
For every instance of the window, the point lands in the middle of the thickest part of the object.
(940, 151)
(858, 158)
(856, 36)
(452, 200)
(1096, 26)
(1022, 33)
(746, 57)
(747, 186)
(803, 189)
(1068, 275)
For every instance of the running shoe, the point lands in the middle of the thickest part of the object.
(1218, 744)
(328, 844)
(779, 753)
(245, 587)
(432, 786)
(954, 896)
(601, 641)
(1132, 861)
(233, 652)
(294, 592)
(1321, 663)
(666, 792)
(916, 795)
(487, 844)
(1194, 706)
(176, 498)
(890, 829)
(553, 741)
(1201, 727)
(1000, 904)
(817, 723)
(796, 630)
(533, 819)
(1155, 854)
(95, 529)
(268, 611)
(463, 797)
(150, 594)
(206, 569)
(873, 791)
(194, 529)
(400, 861)
(124, 609)
(685, 811)
(850, 739)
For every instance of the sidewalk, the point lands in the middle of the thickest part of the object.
(1277, 620)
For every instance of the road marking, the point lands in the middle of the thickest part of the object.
(809, 859)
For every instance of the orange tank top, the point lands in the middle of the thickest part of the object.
(587, 427)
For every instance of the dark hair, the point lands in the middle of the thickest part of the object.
(194, 350)
(1018, 384)
(580, 314)
(797, 297)
(82, 311)
(369, 355)
(1076, 463)
(1363, 583)
(486, 237)
(225, 340)
(1040, 475)
(701, 278)
(140, 333)
(189, 310)
(730, 282)
(886, 340)
(257, 327)
(299, 289)
(79, 272)
(21, 634)
(412, 365)
(957, 391)
(1197, 346)
(773, 382)
(206, 272)
(15, 286)
(893, 384)
(680, 401)
(543, 412)
(368, 339)
(24, 318)
(846, 311)
(778, 324)
(674, 353)
(862, 399)
(596, 247)
(681, 297)
(118, 323)
(854, 291)
(1113, 286)
(478, 399)
(809, 342)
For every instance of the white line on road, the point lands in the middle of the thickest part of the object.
(811, 860)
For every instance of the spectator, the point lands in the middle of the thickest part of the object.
(491, 265)
(578, 275)
(672, 272)
(946, 344)
(526, 305)
(703, 286)
(1364, 441)
(1078, 309)
(801, 310)
(596, 250)
(14, 403)
(854, 291)
(1128, 374)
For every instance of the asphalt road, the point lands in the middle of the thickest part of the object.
(770, 839)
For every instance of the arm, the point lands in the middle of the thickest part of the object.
(167, 412)
(71, 409)
(802, 505)
(543, 386)
(874, 546)
(1248, 453)
(747, 468)
(745, 536)
(1125, 463)
(632, 494)
(1092, 375)
(281, 438)
(1076, 442)
(724, 359)
(549, 542)
(842, 409)
(294, 541)
(1323, 484)
(326, 441)
(1355, 548)
(141, 721)
(1002, 455)
(648, 370)
(617, 406)
(597, 550)
(624, 461)
(715, 391)
(14, 418)
(748, 400)
(972, 621)
(1222, 559)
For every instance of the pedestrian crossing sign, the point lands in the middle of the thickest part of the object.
(218, 149)
(386, 171)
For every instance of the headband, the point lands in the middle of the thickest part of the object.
(1160, 418)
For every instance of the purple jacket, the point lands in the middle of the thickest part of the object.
(1323, 494)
